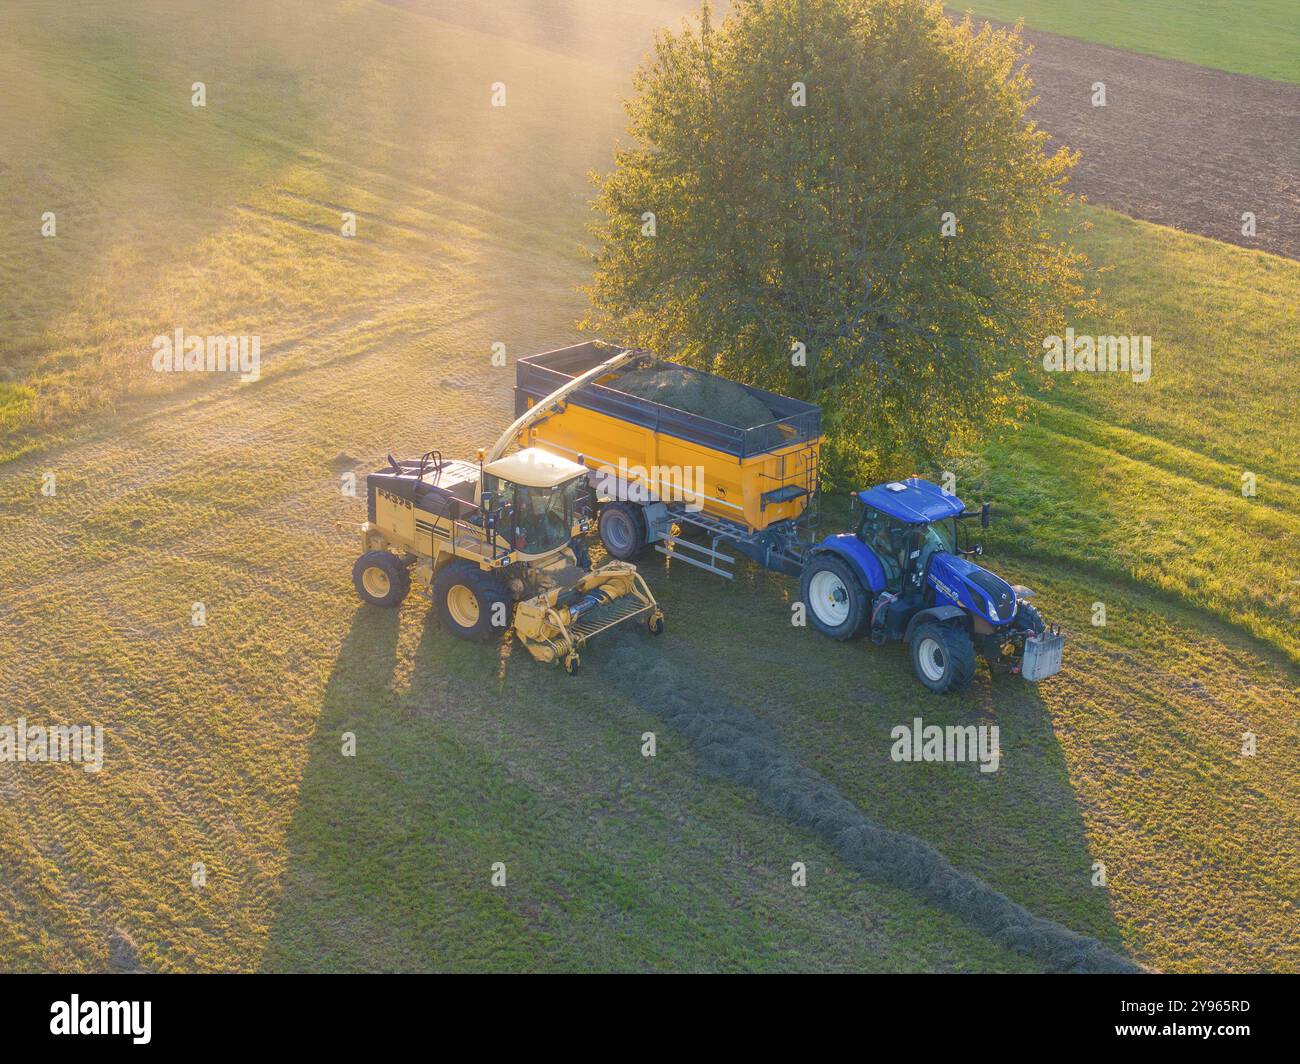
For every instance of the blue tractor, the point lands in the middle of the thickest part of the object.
(905, 574)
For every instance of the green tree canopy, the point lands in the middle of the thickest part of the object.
(799, 162)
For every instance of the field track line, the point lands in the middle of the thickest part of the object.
(1174, 458)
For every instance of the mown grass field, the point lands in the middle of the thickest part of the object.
(224, 741)
(1259, 37)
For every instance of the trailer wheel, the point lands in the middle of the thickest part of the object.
(471, 603)
(835, 600)
(622, 529)
(943, 657)
(381, 579)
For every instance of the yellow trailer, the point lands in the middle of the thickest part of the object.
(660, 471)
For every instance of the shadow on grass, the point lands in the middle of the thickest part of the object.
(733, 743)
(813, 740)
(388, 852)
(311, 916)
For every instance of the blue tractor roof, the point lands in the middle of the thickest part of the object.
(913, 500)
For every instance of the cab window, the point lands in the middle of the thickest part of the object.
(888, 538)
(535, 520)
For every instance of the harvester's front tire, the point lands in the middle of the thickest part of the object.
(471, 603)
(381, 579)
(622, 529)
(943, 657)
(834, 598)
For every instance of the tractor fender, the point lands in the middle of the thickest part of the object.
(860, 558)
(937, 614)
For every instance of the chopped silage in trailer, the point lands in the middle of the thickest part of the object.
(702, 394)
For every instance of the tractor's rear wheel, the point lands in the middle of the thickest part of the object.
(622, 529)
(834, 598)
(943, 657)
(381, 579)
(471, 603)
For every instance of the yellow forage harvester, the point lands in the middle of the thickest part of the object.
(497, 543)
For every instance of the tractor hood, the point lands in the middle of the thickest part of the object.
(974, 588)
(913, 501)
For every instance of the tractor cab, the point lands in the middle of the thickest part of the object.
(912, 527)
(534, 501)
(904, 524)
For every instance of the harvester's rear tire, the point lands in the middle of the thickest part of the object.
(833, 596)
(943, 657)
(381, 579)
(471, 603)
(622, 529)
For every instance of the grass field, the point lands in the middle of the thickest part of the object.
(1259, 37)
(224, 741)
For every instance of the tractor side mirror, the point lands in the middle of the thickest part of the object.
(984, 516)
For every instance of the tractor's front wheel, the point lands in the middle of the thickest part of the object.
(943, 657)
(472, 604)
(381, 579)
(1029, 618)
(836, 602)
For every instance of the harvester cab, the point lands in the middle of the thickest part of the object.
(496, 542)
(904, 573)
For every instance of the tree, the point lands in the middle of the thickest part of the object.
(856, 176)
